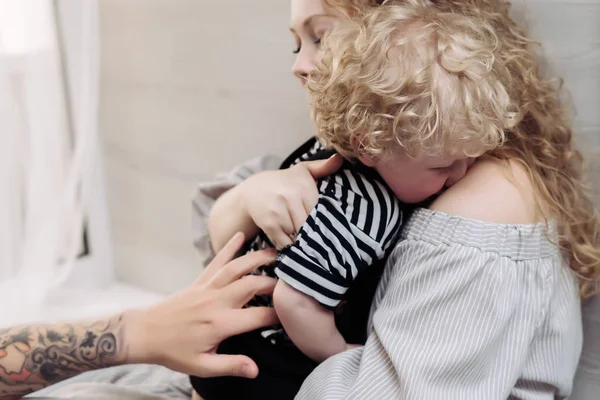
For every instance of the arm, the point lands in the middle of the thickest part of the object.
(332, 248)
(179, 333)
(230, 215)
(32, 357)
(276, 202)
(209, 193)
(310, 326)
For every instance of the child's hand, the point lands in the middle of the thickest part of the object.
(279, 202)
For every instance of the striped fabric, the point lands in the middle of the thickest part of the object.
(355, 221)
(465, 310)
(315, 148)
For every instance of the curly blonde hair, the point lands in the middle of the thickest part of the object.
(412, 75)
(352, 8)
(430, 75)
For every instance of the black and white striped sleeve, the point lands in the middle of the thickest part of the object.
(354, 223)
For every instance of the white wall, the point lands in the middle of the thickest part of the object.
(188, 88)
(191, 87)
(570, 33)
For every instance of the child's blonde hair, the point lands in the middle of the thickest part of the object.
(352, 8)
(456, 73)
(412, 75)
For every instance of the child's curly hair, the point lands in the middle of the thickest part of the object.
(352, 8)
(412, 75)
(429, 75)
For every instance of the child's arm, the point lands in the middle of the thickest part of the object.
(310, 326)
(347, 232)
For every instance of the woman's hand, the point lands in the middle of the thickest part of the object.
(183, 332)
(276, 202)
(279, 202)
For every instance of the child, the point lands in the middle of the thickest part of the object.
(352, 228)
(434, 84)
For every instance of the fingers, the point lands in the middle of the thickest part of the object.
(280, 225)
(298, 214)
(316, 170)
(224, 256)
(248, 319)
(241, 266)
(279, 237)
(211, 365)
(322, 168)
(241, 291)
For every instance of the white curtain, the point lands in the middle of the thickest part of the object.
(46, 152)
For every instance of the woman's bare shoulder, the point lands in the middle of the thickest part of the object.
(492, 191)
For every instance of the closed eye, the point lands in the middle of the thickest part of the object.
(445, 169)
(316, 42)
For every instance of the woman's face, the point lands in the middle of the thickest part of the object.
(310, 21)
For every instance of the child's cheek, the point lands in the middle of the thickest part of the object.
(432, 187)
(415, 191)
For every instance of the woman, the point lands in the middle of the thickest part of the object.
(481, 304)
(457, 314)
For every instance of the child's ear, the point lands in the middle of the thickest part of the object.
(366, 160)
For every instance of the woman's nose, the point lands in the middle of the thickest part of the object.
(304, 65)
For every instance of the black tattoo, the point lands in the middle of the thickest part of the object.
(54, 336)
(89, 339)
(105, 349)
(31, 358)
(41, 340)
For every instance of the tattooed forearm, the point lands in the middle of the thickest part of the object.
(33, 357)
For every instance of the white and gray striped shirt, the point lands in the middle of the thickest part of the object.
(465, 310)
